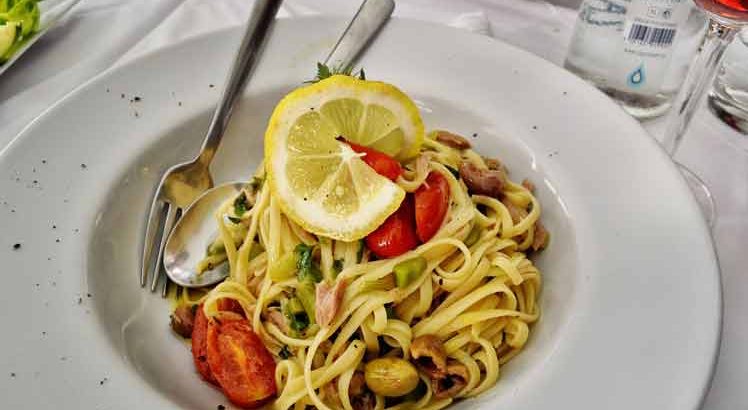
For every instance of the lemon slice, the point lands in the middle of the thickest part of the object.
(320, 182)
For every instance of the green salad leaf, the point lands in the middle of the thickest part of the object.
(19, 20)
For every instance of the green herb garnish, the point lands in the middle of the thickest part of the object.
(299, 322)
(454, 171)
(323, 72)
(294, 311)
(305, 267)
(305, 293)
(390, 311)
(337, 266)
(240, 204)
(234, 219)
(284, 352)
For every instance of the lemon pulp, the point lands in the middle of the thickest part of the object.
(319, 181)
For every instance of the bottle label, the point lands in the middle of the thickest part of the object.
(649, 35)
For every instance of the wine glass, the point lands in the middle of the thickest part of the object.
(728, 99)
(726, 17)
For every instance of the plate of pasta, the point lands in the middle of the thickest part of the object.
(464, 226)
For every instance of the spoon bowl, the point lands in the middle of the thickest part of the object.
(197, 229)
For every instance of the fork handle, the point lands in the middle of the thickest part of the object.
(258, 26)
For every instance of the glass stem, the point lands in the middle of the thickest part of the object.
(700, 75)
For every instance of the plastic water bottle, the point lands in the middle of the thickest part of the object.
(636, 51)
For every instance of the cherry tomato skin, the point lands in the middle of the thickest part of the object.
(200, 335)
(241, 364)
(385, 165)
(397, 234)
(431, 203)
(230, 305)
(200, 346)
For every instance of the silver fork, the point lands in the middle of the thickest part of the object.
(183, 183)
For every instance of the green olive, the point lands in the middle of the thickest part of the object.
(391, 377)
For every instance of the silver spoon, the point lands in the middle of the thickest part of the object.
(196, 229)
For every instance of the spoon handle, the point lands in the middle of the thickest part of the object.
(258, 26)
(369, 18)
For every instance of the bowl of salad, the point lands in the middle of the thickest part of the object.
(23, 22)
(19, 21)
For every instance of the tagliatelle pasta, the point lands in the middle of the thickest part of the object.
(476, 293)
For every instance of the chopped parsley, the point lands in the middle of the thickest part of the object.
(390, 311)
(454, 171)
(306, 269)
(293, 310)
(337, 266)
(306, 294)
(299, 322)
(240, 204)
(284, 352)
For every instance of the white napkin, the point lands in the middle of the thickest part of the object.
(195, 18)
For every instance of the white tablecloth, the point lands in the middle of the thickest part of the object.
(101, 33)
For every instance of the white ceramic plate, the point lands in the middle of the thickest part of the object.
(632, 295)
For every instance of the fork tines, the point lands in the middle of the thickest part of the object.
(161, 219)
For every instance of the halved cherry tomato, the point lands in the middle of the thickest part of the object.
(431, 202)
(384, 164)
(397, 234)
(239, 361)
(200, 346)
(229, 305)
(200, 336)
